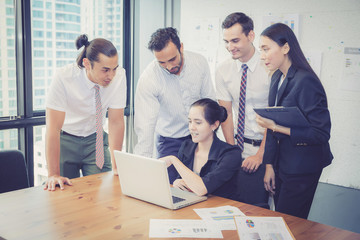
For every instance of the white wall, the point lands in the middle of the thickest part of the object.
(325, 25)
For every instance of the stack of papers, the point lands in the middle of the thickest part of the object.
(214, 220)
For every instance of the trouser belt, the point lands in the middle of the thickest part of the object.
(71, 135)
(253, 142)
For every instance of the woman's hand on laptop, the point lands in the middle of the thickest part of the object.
(180, 183)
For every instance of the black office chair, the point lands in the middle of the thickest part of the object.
(13, 171)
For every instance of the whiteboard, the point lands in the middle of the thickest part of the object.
(329, 27)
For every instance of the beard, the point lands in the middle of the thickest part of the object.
(175, 70)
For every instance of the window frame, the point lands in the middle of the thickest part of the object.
(27, 118)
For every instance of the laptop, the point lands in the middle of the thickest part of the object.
(147, 179)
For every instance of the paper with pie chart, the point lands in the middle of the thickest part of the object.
(183, 228)
(263, 228)
(223, 216)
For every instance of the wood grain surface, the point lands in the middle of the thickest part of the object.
(94, 208)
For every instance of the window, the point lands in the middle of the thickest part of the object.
(7, 69)
(68, 27)
(11, 73)
(69, 8)
(10, 11)
(12, 103)
(68, 17)
(39, 82)
(38, 53)
(65, 45)
(11, 52)
(39, 73)
(12, 93)
(38, 34)
(38, 63)
(12, 84)
(37, 4)
(38, 24)
(38, 44)
(11, 43)
(10, 22)
(39, 92)
(54, 27)
(10, 32)
(38, 14)
(8, 139)
(11, 63)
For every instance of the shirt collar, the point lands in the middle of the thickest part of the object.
(89, 84)
(214, 149)
(251, 63)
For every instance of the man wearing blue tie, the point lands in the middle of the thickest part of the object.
(242, 84)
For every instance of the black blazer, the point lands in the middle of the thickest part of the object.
(307, 149)
(219, 173)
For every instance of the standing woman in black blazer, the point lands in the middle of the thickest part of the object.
(294, 156)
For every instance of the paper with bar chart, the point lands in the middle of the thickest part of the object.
(183, 228)
(223, 216)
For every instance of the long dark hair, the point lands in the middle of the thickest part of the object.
(93, 48)
(281, 34)
(212, 111)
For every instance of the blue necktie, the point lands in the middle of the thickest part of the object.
(241, 117)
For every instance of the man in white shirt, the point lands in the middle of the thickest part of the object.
(238, 36)
(165, 91)
(79, 97)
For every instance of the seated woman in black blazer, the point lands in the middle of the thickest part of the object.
(206, 164)
(294, 156)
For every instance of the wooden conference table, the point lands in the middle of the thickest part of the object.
(94, 208)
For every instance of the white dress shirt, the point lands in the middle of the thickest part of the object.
(228, 80)
(72, 92)
(163, 100)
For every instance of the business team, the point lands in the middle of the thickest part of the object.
(175, 106)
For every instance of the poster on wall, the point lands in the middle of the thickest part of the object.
(351, 69)
(204, 39)
(314, 57)
(292, 20)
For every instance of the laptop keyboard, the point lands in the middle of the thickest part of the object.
(177, 199)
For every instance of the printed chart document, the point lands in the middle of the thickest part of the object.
(222, 216)
(285, 116)
(262, 228)
(181, 228)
